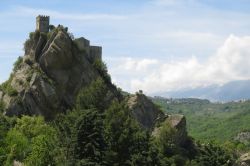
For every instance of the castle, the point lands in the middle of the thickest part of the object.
(92, 52)
(42, 23)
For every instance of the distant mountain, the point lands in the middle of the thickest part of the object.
(234, 90)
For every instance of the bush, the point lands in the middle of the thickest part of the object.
(33, 36)
(17, 64)
(7, 88)
(212, 154)
(101, 67)
(93, 96)
(2, 106)
(17, 145)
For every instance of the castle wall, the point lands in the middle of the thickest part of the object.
(42, 23)
(92, 52)
(82, 44)
(95, 53)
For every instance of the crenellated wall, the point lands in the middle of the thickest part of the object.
(42, 23)
(92, 52)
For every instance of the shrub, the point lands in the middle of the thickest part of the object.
(29, 42)
(101, 67)
(93, 96)
(212, 154)
(7, 88)
(2, 106)
(17, 64)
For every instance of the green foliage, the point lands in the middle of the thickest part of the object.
(100, 133)
(7, 88)
(17, 64)
(33, 126)
(33, 36)
(212, 121)
(101, 67)
(81, 134)
(17, 145)
(31, 140)
(2, 106)
(127, 142)
(93, 96)
(166, 140)
(212, 154)
(89, 136)
(42, 151)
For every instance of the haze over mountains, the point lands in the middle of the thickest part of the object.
(231, 91)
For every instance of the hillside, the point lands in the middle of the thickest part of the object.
(210, 121)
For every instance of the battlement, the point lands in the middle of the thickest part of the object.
(42, 23)
(92, 52)
(42, 18)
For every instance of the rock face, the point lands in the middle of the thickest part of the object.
(53, 70)
(244, 159)
(143, 110)
(243, 137)
(177, 122)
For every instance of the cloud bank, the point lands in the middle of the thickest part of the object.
(230, 62)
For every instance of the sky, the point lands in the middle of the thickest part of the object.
(152, 45)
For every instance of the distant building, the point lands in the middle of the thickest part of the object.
(42, 23)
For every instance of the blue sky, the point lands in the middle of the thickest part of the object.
(154, 45)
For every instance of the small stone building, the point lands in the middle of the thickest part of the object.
(42, 23)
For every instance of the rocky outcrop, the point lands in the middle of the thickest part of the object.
(178, 123)
(53, 70)
(244, 160)
(144, 110)
(243, 137)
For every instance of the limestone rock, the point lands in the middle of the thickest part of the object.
(144, 110)
(244, 160)
(243, 137)
(17, 163)
(177, 122)
(51, 74)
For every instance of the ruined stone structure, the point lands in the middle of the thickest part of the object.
(92, 52)
(42, 23)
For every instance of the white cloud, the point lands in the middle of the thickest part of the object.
(230, 62)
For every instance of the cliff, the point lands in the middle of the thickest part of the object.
(55, 67)
(47, 79)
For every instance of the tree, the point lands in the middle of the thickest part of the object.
(93, 96)
(127, 142)
(17, 146)
(212, 154)
(81, 133)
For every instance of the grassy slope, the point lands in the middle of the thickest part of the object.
(212, 121)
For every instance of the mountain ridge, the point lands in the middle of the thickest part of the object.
(231, 91)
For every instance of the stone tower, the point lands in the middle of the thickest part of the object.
(42, 23)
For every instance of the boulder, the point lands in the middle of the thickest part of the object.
(244, 160)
